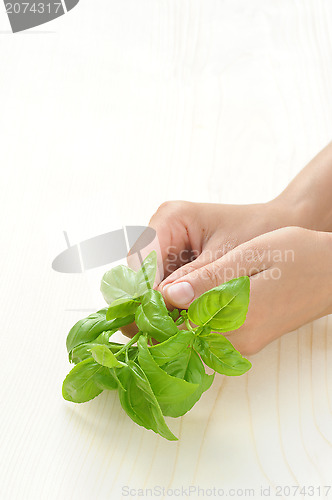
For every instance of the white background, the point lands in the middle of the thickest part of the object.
(104, 114)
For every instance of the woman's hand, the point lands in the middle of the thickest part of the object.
(195, 239)
(190, 235)
(290, 272)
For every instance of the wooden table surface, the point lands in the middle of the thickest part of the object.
(106, 113)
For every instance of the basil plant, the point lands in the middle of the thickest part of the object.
(160, 371)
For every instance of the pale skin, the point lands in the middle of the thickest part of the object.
(284, 246)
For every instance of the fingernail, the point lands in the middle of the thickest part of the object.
(179, 294)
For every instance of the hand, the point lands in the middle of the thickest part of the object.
(290, 272)
(190, 235)
(204, 232)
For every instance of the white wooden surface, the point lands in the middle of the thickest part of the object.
(105, 113)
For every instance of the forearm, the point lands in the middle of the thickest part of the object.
(308, 198)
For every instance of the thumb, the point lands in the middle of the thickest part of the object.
(245, 260)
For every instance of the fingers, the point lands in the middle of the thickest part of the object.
(203, 259)
(141, 249)
(247, 259)
(172, 242)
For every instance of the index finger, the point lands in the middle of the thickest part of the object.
(171, 241)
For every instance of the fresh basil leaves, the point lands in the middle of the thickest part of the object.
(223, 308)
(155, 380)
(152, 317)
(122, 282)
(88, 329)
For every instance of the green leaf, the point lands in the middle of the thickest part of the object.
(152, 317)
(139, 401)
(86, 380)
(168, 390)
(105, 357)
(172, 347)
(121, 308)
(187, 366)
(218, 353)
(122, 283)
(223, 308)
(118, 283)
(88, 329)
(174, 314)
(203, 330)
(146, 275)
(82, 351)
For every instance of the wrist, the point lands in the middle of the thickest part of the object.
(284, 213)
(291, 211)
(303, 211)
